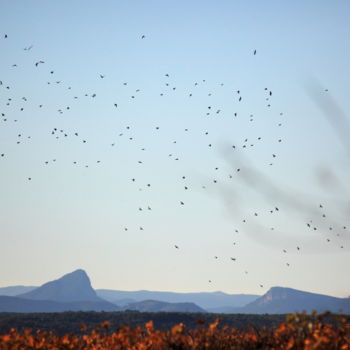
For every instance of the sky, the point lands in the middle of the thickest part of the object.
(153, 147)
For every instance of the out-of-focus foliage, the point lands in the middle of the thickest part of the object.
(70, 322)
(297, 332)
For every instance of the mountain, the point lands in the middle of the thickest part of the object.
(123, 302)
(15, 290)
(279, 300)
(15, 304)
(204, 300)
(72, 292)
(160, 306)
(74, 286)
(224, 310)
(50, 291)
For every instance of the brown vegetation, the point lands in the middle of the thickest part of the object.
(297, 332)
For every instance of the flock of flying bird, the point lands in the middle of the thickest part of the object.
(60, 133)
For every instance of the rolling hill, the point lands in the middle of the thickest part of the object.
(205, 300)
(161, 306)
(74, 292)
(21, 305)
(15, 290)
(279, 300)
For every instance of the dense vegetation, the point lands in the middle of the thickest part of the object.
(70, 322)
(297, 332)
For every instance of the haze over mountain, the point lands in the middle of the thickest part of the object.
(71, 292)
(15, 304)
(15, 290)
(160, 306)
(74, 292)
(205, 300)
(74, 286)
(279, 300)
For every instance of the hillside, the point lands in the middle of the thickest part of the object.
(21, 305)
(160, 306)
(204, 300)
(279, 300)
(74, 286)
(15, 290)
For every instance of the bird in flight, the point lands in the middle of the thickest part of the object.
(254, 52)
(143, 36)
(39, 62)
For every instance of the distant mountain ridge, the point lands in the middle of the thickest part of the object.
(161, 306)
(280, 300)
(71, 292)
(74, 292)
(74, 286)
(15, 304)
(15, 290)
(204, 300)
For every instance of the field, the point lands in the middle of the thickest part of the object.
(296, 332)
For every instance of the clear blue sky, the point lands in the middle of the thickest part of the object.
(73, 215)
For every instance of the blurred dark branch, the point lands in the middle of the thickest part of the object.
(331, 110)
